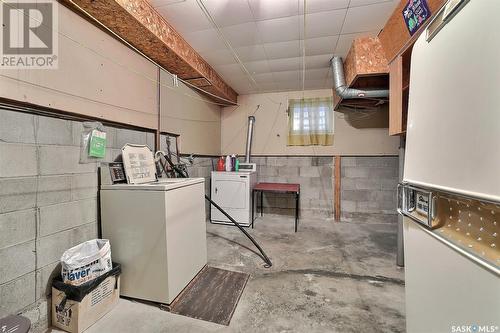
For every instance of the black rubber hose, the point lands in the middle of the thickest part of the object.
(183, 175)
(265, 257)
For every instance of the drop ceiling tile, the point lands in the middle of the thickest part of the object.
(251, 53)
(263, 78)
(313, 6)
(228, 12)
(315, 84)
(160, 3)
(184, 16)
(285, 64)
(318, 61)
(204, 40)
(257, 67)
(265, 10)
(267, 86)
(321, 45)
(287, 76)
(317, 74)
(227, 71)
(241, 84)
(357, 3)
(345, 42)
(280, 29)
(218, 57)
(367, 18)
(322, 24)
(242, 34)
(288, 85)
(283, 49)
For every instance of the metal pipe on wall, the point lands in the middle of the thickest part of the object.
(248, 150)
(348, 93)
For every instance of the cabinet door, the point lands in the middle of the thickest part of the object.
(396, 125)
(231, 194)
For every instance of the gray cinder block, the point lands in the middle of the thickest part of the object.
(50, 248)
(68, 215)
(17, 260)
(17, 194)
(44, 278)
(299, 161)
(53, 131)
(276, 161)
(17, 127)
(124, 136)
(56, 160)
(354, 172)
(17, 227)
(17, 160)
(310, 171)
(355, 195)
(150, 140)
(267, 171)
(53, 189)
(84, 186)
(289, 171)
(17, 294)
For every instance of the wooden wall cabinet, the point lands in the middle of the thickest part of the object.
(399, 86)
(397, 45)
(395, 37)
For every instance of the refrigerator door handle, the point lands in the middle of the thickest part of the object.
(400, 194)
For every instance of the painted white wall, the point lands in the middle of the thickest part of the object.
(197, 122)
(86, 82)
(98, 76)
(271, 128)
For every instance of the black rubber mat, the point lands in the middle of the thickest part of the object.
(211, 296)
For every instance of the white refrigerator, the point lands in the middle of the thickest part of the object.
(450, 195)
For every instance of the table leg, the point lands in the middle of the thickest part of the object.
(261, 203)
(297, 196)
(253, 206)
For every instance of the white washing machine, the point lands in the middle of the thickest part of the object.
(232, 191)
(156, 228)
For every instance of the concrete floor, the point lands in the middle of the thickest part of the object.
(327, 277)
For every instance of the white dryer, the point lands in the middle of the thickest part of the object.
(232, 191)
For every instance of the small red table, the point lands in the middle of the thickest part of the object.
(277, 188)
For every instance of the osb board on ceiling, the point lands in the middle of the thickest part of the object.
(365, 67)
(137, 22)
(395, 36)
(366, 57)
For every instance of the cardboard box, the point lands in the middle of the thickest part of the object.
(76, 317)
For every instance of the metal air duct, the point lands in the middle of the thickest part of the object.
(248, 150)
(348, 93)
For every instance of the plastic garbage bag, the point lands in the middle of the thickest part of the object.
(86, 261)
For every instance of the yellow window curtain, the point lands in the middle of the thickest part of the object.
(310, 122)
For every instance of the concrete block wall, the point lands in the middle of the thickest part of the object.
(368, 189)
(368, 186)
(47, 204)
(313, 173)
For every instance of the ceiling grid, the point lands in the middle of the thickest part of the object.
(264, 36)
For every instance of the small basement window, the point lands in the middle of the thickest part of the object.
(310, 122)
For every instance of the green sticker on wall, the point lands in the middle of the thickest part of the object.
(97, 144)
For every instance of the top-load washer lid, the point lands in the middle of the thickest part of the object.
(139, 164)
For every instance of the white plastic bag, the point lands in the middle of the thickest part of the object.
(86, 261)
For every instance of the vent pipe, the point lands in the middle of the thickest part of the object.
(248, 151)
(348, 93)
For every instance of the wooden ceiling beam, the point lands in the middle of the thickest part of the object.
(137, 22)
